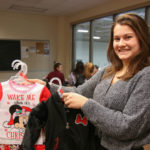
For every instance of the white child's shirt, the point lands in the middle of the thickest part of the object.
(16, 103)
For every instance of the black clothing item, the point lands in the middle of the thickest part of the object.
(103, 148)
(141, 148)
(65, 129)
(80, 80)
(47, 83)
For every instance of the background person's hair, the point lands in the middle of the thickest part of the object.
(139, 26)
(79, 68)
(88, 69)
(96, 67)
(56, 65)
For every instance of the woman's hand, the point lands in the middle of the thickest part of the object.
(74, 100)
(37, 81)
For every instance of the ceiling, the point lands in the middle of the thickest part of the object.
(49, 7)
(64, 8)
(57, 8)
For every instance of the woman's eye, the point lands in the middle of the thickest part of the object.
(116, 39)
(128, 37)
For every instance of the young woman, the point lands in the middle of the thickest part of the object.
(76, 74)
(87, 74)
(116, 100)
(56, 73)
(88, 70)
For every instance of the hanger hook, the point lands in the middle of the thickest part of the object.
(59, 81)
(16, 63)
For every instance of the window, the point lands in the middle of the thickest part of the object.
(148, 16)
(81, 42)
(90, 39)
(101, 34)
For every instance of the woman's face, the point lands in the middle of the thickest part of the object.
(59, 68)
(125, 43)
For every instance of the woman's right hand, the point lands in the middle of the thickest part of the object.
(74, 100)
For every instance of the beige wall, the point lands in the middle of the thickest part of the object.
(64, 43)
(33, 27)
(108, 8)
(55, 29)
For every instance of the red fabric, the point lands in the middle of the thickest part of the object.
(45, 94)
(6, 147)
(22, 75)
(60, 92)
(56, 145)
(80, 120)
(57, 74)
(1, 92)
(39, 147)
(27, 108)
(11, 122)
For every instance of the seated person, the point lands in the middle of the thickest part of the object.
(56, 73)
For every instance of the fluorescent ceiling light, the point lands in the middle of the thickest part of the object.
(85, 31)
(96, 37)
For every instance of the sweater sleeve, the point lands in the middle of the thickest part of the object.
(86, 89)
(132, 122)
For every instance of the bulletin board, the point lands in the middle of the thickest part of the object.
(34, 47)
(36, 54)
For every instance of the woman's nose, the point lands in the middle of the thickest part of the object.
(122, 42)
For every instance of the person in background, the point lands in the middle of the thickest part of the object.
(95, 69)
(88, 70)
(88, 73)
(56, 73)
(76, 73)
(116, 100)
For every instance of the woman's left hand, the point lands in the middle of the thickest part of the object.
(74, 100)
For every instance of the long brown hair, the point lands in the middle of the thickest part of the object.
(88, 70)
(139, 26)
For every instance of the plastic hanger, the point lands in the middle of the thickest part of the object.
(20, 77)
(16, 63)
(60, 91)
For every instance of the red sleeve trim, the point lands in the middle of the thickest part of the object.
(1, 92)
(45, 94)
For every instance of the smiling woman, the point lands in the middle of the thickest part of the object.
(128, 49)
(116, 100)
(117, 95)
(126, 44)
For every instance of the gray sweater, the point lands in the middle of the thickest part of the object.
(120, 112)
